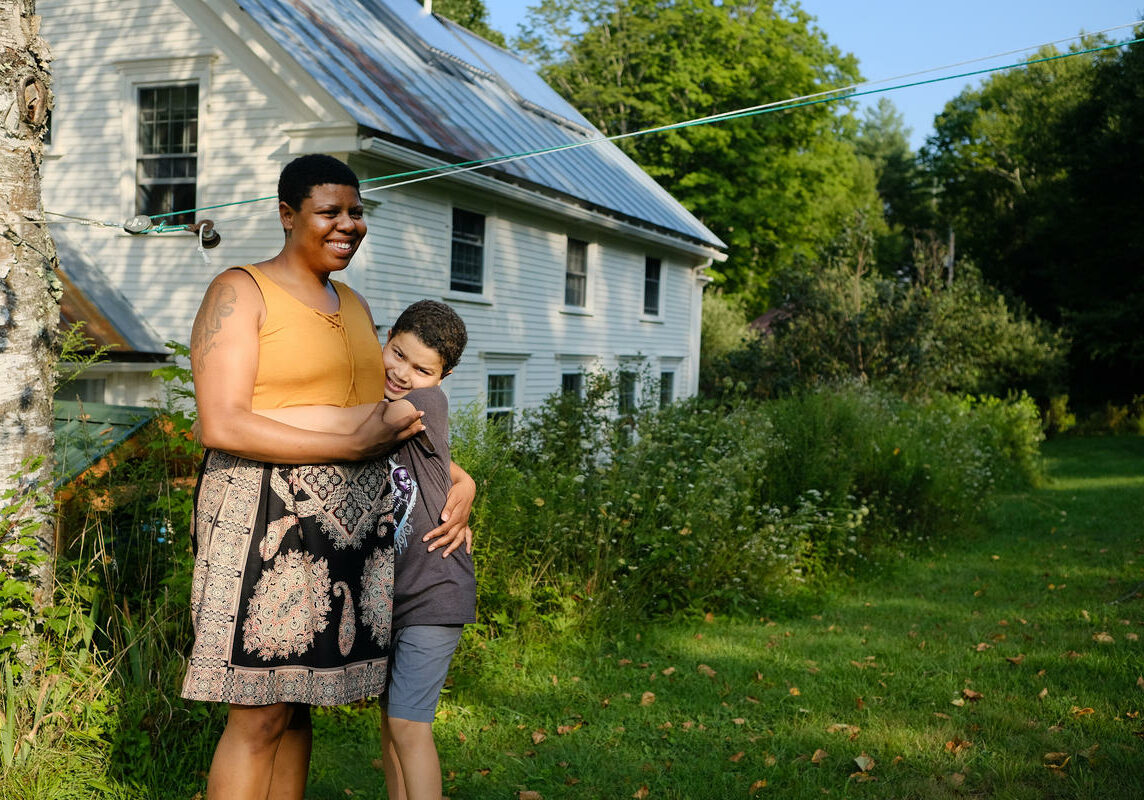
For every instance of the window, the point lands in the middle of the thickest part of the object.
(499, 400)
(166, 162)
(651, 286)
(576, 274)
(627, 392)
(467, 265)
(666, 389)
(85, 390)
(572, 383)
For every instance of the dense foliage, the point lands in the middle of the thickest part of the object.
(775, 187)
(1041, 175)
(918, 334)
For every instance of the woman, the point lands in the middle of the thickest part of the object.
(293, 585)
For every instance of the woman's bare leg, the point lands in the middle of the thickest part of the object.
(244, 758)
(292, 761)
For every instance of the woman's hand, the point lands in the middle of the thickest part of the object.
(454, 528)
(380, 432)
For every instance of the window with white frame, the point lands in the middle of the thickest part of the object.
(576, 274)
(167, 150)
(666, 389)
(500, 397)
(467, 265)
(572, 383)
(627, 392)
(652, 273)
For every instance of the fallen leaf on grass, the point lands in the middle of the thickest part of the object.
(1080, 712)
(570, 781)
(956, 778)
(957, 701)
(971, 695)
(623, 662)
(647, 698)
(1140, 681)
(1057, 760)
(1015, 660)
(1071, 654)
(1103, 638)
(538, 736)
(564, 730)
(982, 647)
(842, 727)
(377, 763)
(1132, 637)
(957, 744)
(1041, 695)
(641, 793)
(757, 785)
(528, 794)
(819, 756)
(703, 669)
(709, 617)
(770, 760)
(864, 762)
(737, 757)
(668, 672)
(461, 737)
(940, 715)
(738, 720)
(794, 691)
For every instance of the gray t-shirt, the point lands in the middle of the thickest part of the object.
(428, 589)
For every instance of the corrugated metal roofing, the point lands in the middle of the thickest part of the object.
(86, 432)
(418, 78)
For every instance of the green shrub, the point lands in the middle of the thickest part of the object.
(724, 506)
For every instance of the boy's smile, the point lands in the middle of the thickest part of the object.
(409, 364)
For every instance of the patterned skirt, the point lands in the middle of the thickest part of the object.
(292, 595)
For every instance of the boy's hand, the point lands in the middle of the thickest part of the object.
(379, 436)
(454, 528)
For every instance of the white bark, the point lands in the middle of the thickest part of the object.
(29, 290)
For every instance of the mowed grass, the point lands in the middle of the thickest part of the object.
(993, 664)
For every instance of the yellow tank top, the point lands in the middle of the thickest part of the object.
(309, 357)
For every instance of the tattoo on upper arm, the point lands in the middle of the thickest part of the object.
(217, 305)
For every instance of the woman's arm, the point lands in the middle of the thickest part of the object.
(454, 528)
(224, 360)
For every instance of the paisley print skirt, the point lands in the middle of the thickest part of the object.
(292, 595)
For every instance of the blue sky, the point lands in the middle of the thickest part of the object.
(896, 37)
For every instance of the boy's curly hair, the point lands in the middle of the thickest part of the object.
(438, 327)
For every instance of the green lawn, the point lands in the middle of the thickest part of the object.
(992, 665)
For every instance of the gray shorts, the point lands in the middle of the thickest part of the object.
(417, 670)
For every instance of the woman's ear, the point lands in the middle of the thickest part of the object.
(286, 216)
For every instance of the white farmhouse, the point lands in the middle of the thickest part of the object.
(558, 263)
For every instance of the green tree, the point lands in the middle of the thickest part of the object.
(1041, 175)
(775, 187)
(906, 191)
(472, 14)
(845, 322)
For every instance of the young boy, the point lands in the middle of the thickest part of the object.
(433, 596)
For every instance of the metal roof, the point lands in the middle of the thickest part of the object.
(91, 297)
(419, 79)
(86, 432)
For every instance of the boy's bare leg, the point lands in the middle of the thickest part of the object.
(244, 758)
(394, 779)
(414, 757)
(292, 761)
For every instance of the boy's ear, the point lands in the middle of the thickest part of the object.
(389, 334)
(446, 374)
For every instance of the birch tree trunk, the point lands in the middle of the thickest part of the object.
(29, 302)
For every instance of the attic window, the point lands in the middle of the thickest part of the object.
(166, 165)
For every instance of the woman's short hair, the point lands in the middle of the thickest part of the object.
(305, 172)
